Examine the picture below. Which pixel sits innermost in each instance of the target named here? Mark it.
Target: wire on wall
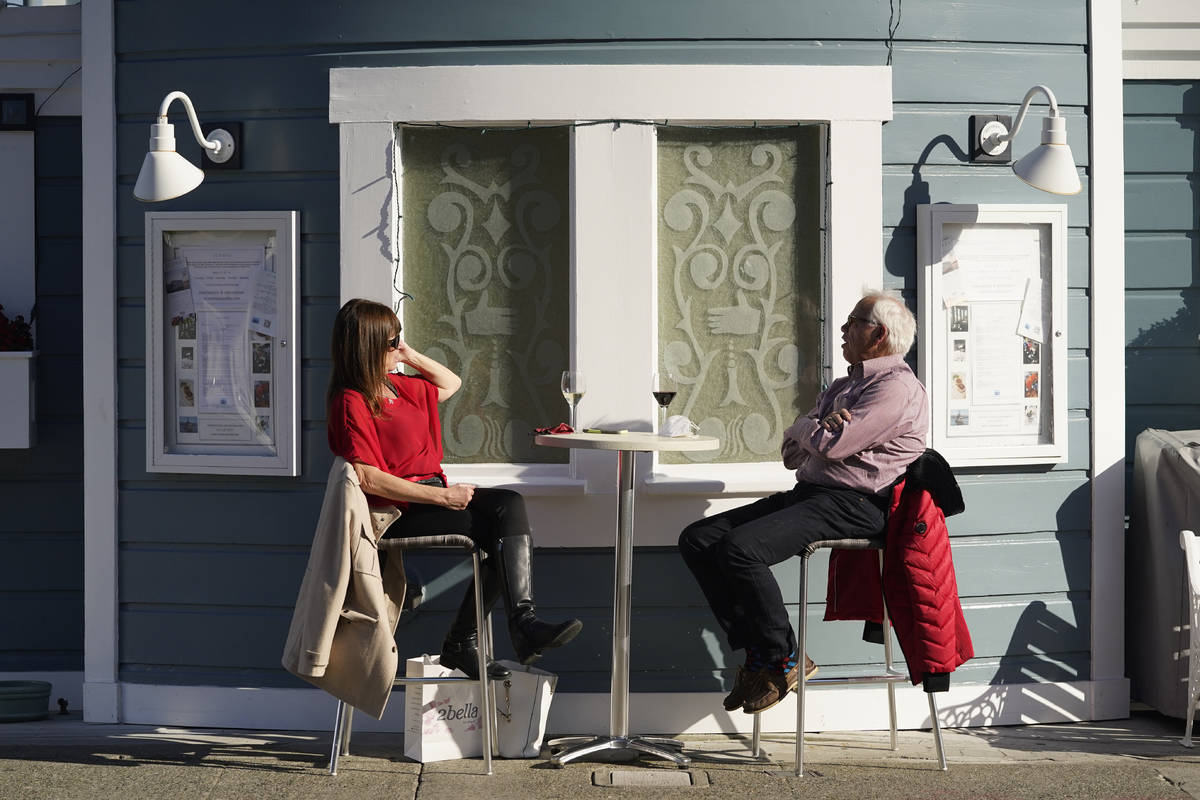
(56, 88)
(895, 9)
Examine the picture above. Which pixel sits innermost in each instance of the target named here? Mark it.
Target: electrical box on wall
(16, 112)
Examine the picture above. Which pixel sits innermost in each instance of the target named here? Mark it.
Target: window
(613, 233)
(485, 228)
(739, 282)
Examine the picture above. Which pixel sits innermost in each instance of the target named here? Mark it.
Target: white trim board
(1159, 40)
(832, 708)
(613, 196)
(101, 690)
(548, 93)
(1107, 339)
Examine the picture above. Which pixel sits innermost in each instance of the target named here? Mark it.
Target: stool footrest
(400, 681)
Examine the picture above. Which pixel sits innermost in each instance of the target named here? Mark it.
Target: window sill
(535, 480)
(710, 479)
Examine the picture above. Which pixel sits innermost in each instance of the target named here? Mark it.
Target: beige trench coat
(343, 628)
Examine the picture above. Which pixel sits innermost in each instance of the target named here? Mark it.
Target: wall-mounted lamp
(166, 174)
(1049, 167)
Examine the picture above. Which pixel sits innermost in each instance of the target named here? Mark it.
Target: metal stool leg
(937, 732)
(339, 729)
(887, 659)
(802, 683)
(756, 737)
(485, 704)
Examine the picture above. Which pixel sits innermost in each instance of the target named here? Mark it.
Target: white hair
(889, 311)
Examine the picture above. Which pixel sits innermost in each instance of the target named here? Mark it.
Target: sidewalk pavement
(63, 758)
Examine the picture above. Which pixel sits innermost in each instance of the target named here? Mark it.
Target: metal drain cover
(646, 777)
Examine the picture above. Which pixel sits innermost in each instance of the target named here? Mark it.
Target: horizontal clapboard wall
(1162, 254)
(41, 488)
(209, 567)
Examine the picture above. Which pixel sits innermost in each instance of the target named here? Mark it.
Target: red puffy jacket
(918, 576)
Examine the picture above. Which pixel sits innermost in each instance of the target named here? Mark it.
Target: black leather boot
(530, 635)
(461, 648)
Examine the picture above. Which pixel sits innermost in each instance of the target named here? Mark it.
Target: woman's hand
(457, 497)
(439, 374)
(407, 353)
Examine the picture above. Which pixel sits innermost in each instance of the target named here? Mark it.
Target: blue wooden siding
(209, 566)
(1162, 256)
(41, 489)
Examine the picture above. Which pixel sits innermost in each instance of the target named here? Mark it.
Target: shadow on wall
(1153, 357)
(1039, 653)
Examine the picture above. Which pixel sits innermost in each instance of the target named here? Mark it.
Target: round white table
(625, 445)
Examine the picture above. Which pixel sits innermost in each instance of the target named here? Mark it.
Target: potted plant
(16, 381)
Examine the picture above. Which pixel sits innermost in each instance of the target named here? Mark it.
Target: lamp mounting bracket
(983, 126)
(230, 132)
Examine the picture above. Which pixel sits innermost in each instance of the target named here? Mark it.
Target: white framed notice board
(222, 353)
(992, 309)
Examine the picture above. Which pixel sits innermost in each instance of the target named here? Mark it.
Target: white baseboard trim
(831, 708)
(102, 702)
(67, 685)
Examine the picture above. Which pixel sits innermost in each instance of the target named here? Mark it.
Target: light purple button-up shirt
(889, 422)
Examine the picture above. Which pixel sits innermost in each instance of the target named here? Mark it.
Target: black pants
(492, 514)
(731, 555)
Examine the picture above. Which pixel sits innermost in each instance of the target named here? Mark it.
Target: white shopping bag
(444, 721)
(522, 707)
(441, 720)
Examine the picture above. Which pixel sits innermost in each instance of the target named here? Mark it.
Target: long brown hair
(359, 347)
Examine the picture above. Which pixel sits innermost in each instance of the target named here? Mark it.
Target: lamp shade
(165, 174)
(1050, 166)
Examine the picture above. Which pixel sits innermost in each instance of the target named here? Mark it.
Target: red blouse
(405, 441)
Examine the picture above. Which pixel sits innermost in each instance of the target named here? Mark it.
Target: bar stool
(394, 548)
(890, 676)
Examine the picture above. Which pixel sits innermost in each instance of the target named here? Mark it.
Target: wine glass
(664, 387)
(573, 386)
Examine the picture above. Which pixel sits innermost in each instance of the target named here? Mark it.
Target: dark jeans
(731, 555)
(492, 514)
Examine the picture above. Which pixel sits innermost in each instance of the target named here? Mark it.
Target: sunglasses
(393, 342)
(850, 320)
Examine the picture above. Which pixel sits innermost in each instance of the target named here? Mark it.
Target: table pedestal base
(650, 745)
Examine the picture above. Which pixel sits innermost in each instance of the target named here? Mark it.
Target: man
(847, 451)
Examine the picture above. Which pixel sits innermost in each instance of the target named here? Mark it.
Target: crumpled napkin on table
(561, 427)
(678, 426)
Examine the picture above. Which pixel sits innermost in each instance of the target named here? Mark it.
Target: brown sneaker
(743, 683)
(770, 688)
(810, 668)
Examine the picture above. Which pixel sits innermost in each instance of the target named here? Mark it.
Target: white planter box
(16, 400)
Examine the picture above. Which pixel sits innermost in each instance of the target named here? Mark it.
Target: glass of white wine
(664, 387)
(573, 387)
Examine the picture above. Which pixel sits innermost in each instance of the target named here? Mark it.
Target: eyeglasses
(393, 342)
(851, 319)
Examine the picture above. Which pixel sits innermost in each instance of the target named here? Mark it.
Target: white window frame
(614, 209)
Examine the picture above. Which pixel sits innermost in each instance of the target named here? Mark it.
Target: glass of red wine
(664, 387)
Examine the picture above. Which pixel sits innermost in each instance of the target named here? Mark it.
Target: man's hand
(458, 496)
(835, 421)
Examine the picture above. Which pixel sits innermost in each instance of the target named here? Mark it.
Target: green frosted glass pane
(486, 251)
(739, 282)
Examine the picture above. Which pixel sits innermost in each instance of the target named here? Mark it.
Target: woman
(387, 426)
